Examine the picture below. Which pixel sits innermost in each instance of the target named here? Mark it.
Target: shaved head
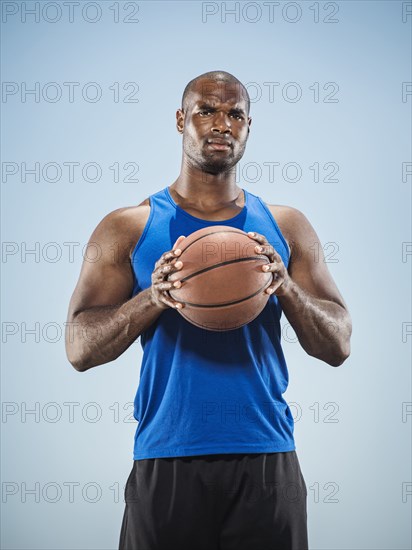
(216, 77)
(215, 106)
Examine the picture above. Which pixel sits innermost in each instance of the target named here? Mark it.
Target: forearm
(100, 334)
(322, 327)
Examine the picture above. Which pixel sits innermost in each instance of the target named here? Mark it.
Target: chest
(164, 231)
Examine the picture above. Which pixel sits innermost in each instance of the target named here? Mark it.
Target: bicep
(106, 276)
(307, 265)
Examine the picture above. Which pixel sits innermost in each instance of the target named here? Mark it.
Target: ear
(249, 122)
(180, 120)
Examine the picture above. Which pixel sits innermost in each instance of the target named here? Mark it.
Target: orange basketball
(223, 285)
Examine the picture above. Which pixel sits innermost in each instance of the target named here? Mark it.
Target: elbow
(83, 359)
(76, 360)
(335, 351)
(343, 350)
(334, 355)
(337, 361)
(77, 353)
(80, 366)
(340, 357)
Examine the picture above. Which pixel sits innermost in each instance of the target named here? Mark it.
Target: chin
(216, 167)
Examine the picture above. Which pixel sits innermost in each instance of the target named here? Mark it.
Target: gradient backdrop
(89, 95)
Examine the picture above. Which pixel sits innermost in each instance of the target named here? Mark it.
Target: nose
(222, 124)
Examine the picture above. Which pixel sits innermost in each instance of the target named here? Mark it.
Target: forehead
(218, 91)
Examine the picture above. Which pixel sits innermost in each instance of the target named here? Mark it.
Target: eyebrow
(233, 110)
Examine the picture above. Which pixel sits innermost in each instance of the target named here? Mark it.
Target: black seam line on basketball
(216, 329)
(238, 231)
(221, 264)
(264, 287)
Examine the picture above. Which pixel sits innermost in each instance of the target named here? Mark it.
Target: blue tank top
(200, 391)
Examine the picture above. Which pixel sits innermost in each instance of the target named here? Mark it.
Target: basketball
(223, 285)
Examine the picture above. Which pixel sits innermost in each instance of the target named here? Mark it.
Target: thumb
(179, 240)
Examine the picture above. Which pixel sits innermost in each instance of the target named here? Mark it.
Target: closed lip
(220, 141)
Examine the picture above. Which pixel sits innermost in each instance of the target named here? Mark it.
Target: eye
(235, 115)
(205, 112)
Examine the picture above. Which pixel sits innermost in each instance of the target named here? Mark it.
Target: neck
(204, 188)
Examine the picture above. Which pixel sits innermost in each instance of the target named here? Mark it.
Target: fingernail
(178, 306)
(178, 264)
(177, 283)
(178, 251)
(270, 291)
(251, 233)
(265, 267)
(258, 248)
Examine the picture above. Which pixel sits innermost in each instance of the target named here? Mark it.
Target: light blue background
(366, 215)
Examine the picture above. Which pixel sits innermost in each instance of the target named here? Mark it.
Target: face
(215, 126)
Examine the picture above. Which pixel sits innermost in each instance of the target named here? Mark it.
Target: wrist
(286, 288)
(153, 301)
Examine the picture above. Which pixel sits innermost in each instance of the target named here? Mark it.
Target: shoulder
(294, 225)
(291, 218)
(122, 227)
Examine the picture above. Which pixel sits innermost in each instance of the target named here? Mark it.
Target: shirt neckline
(209, 222)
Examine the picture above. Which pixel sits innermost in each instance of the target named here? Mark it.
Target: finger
(167, 256)
(170, 254)
(178, 240)
(175, 251)
(258, 237)
(170, 302)
(160, 271)
(276, 283)
(168, 268)
(276, 267)
(268, 250)
(167, 285)
(270, 267)
(175, 266)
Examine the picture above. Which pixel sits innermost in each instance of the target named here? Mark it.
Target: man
(215, 465)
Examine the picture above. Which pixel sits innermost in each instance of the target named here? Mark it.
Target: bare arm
(103, 319)
(100, 334)
(323, 327)
(308, 295)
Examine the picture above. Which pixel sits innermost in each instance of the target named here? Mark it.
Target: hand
(166, 264)
(281, 278)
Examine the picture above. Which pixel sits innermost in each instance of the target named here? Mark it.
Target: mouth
(219, 144)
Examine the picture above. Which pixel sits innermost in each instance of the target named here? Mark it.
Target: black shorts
(251, 501)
